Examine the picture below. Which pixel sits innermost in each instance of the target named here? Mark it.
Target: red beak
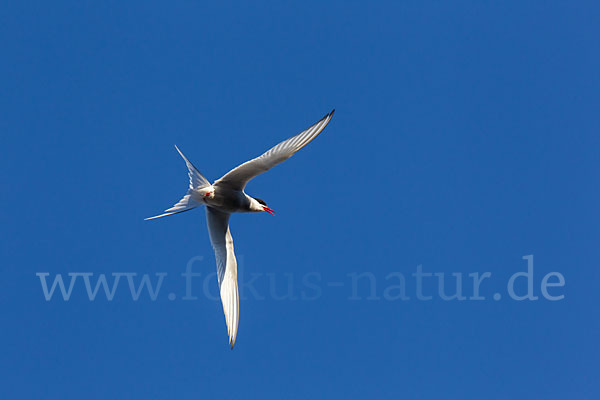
(267, 209)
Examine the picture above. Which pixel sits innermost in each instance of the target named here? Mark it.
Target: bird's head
(261, 205)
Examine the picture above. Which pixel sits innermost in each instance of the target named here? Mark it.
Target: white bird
(225, 196)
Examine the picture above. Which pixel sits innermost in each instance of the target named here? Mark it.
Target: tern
(226, 196)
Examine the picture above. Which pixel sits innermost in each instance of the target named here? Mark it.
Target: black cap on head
(261, 201)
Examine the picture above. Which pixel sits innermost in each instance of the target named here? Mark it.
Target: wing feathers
(222, 242)
(238, 177)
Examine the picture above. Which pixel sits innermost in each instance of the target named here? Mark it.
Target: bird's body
(226, 196)
(228, 200)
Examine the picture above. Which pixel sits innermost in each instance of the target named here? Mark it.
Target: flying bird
(225, 196)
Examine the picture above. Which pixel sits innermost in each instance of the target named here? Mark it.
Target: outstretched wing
(222, 242)
(238, 177)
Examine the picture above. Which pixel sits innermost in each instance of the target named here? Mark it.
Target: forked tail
(197, 183)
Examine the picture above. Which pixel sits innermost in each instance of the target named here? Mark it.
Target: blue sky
(465, 138)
